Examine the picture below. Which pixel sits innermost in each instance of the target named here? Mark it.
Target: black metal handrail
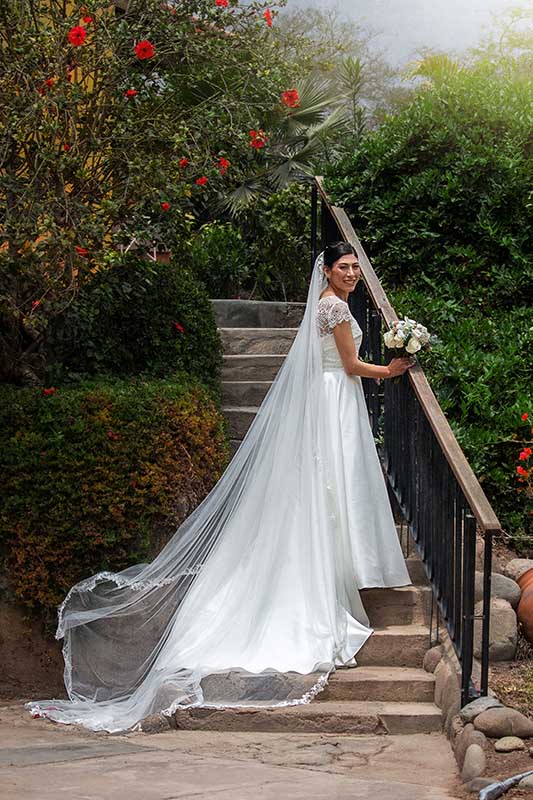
(436, 490)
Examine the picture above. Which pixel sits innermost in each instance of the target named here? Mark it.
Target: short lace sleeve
(332, 311)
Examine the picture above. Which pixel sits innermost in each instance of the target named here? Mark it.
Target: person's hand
(399, 365)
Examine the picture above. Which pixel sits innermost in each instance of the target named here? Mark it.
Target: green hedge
(136, 317)
(99, 476)
(440, 196)
(263, 255)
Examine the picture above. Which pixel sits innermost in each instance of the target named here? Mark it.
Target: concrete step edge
(246, 383)
(253, 356)
(370, 672)
(258, 330)
(240, 409)
(402, 630)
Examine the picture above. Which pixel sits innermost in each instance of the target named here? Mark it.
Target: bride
(255, 599)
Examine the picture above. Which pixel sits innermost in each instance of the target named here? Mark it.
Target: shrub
(137, 317)
(99, 476)
(279, 237)
(440, 197)
(218, 257)
(262, 255)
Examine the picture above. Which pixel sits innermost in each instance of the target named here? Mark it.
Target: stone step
(417, 573)
(239, 419)
(386, 684)
(403, 605)
(244, 393)
(356, 717)
(247, 341)
(395, 646)
(257, 314)
(259, 367)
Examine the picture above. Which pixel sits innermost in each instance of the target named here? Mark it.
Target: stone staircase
(388, 692)
(256, 337)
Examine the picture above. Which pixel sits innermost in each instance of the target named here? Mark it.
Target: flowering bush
(524, 474)
(107, 114)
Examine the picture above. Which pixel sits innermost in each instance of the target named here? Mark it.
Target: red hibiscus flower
(291, 98)
(81, 251)
(178, 327)
(522, 471)
(268, 16)
(525, 416)
(524, 455)
(165, 206)
(77, 35)
(48, 392)
(130, 93)
(201, 181)
(144, 49)
(258, 138)
(183, 162)
(223, 164)
(221, 3)
(87, 20)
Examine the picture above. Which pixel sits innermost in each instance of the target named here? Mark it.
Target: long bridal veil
(250, 603)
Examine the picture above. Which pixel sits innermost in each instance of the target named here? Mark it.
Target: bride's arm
(354, 366)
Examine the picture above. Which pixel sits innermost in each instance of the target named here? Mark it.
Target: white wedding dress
(254, 601)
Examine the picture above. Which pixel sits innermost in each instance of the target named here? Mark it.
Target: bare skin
(342, 279)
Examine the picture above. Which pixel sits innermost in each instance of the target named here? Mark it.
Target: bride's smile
(343, 275)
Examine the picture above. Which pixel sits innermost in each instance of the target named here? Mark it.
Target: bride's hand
(399, 365)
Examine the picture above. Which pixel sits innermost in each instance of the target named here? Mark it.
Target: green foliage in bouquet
(440, 196)
(99, 476)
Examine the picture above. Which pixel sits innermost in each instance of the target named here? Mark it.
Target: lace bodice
(332, 311)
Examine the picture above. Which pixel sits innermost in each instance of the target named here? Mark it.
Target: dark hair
(336, 250)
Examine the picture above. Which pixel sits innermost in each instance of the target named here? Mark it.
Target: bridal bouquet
(407, 336)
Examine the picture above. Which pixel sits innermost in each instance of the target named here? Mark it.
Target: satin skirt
(357, 491)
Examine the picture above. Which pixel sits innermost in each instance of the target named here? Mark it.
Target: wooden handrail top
(474, 494)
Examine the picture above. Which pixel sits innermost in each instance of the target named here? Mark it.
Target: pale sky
(406, 25)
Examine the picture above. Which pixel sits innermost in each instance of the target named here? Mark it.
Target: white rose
(413, 345)
(388, 338)
(398, 340)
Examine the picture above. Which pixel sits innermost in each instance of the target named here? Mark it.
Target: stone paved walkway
(47, 761)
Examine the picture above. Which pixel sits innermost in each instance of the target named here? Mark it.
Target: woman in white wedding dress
(255, 599)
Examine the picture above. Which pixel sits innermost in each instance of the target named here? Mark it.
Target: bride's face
(344, 273)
